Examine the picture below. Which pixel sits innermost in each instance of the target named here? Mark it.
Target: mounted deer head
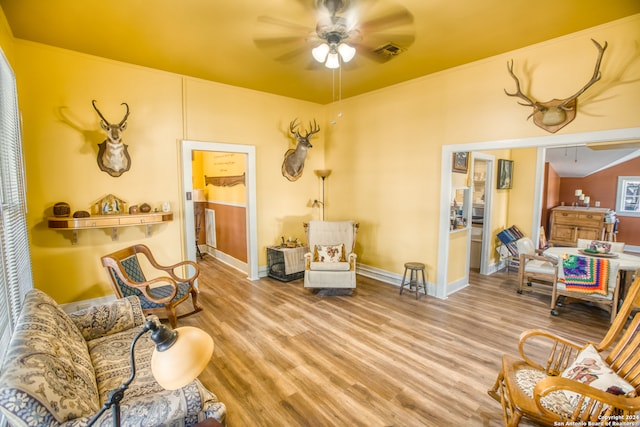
(113, 157)
(293, 163)
(555, 114)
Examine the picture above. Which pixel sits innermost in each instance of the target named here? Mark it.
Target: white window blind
(15, 267)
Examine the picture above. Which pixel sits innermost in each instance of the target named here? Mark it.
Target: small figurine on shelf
(109, 205)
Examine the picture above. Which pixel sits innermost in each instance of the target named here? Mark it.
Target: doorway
(617, 135)
(188, 148)
(481, 203)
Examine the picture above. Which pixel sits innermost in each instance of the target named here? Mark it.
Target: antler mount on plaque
(113, 156)
(293, 163)
(555, 114)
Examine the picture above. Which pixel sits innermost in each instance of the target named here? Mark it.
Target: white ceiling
(581, 161)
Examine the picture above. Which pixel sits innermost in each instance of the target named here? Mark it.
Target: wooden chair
(535, 267)
(533, 386)
(158, 296)
(609, 301)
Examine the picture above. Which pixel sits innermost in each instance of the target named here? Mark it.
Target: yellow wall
(384, 152)
(219, 164)
(520, 211)
(61, 133)
(6, 38)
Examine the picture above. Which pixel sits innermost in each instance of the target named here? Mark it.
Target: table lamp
(179, 357)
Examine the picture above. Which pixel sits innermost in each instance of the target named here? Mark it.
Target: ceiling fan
(333, 31)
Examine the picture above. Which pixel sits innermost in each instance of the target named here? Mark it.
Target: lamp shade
(320, 52)
(346, 52)
(181, 363)
(323, 173)
(332, 60)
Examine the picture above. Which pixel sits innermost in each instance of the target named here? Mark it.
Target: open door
(188, 147)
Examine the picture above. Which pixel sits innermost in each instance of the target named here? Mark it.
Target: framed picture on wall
(460, 162)
(505, 174)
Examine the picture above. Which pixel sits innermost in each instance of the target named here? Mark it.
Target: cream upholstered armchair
(330, 262)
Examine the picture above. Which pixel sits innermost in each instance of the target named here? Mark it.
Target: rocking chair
(558, 390)
(158, 296)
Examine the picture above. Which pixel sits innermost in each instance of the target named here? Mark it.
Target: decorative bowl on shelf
(61, 209)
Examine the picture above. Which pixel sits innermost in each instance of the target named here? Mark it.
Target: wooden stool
(414, 268)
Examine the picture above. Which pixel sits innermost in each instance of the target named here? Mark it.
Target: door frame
(541, 142)
(187, 149)
(488, 208)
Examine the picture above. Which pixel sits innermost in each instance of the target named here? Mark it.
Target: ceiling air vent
(388, 51)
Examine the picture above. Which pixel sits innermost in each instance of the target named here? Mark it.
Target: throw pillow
(590, 369)
(329, 253)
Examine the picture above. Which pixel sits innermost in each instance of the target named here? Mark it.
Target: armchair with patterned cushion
(330, 262)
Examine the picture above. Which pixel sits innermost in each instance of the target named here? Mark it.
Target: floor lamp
(322, 173)
(180, 355)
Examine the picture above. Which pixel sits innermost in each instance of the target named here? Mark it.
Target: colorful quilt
(586, 274)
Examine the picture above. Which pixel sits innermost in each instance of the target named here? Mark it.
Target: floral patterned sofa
(60, 368)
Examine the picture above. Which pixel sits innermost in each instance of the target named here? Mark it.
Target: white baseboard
(227, 259)
(389, 277)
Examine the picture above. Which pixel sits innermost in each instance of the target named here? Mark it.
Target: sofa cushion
(330, 266)
(101, 320)
(47, 377)
(145, 401)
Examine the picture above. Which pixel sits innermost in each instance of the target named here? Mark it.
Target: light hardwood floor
(287, 357)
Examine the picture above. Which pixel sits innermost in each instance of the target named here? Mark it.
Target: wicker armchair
(159, 295)
(540, 386)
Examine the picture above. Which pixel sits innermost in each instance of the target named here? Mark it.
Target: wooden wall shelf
(114, 222)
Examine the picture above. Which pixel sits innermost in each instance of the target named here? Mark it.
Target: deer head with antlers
(557, 113)
(293, 163)
(113, 157)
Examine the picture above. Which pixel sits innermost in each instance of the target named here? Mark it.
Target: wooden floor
(287, 357)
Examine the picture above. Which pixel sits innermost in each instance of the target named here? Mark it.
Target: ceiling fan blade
(400, 17)
(375, 40)
(270, 42)
(265, 19)
(288, 56)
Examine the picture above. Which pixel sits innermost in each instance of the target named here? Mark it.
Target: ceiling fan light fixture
(333, 61)
(346, 52)
(320, 52)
